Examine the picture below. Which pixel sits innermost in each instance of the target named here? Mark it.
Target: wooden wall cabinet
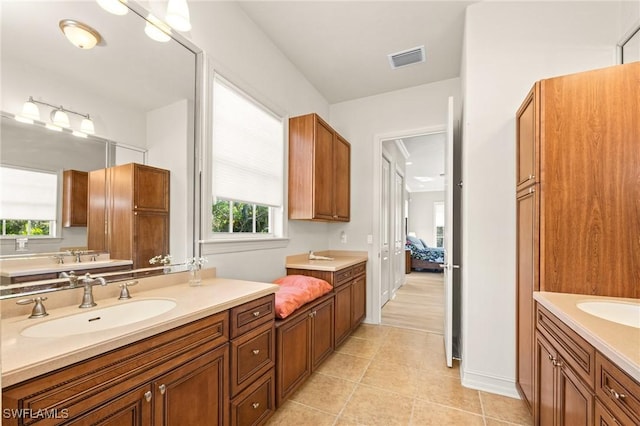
(319, 171)
(129, 212)
(75, 185)
(577, 192)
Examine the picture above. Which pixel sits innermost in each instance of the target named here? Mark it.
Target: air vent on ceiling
(407, 57)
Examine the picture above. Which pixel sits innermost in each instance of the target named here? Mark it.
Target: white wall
(243, 54)
(508, 46)
(421, 214)
(361, 121)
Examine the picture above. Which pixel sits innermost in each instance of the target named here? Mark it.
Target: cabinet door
(323, 172)
(131, 409)
(343, 313)
(150, 237)
(545, 392)
(527, 136)
(150, 189)
(358, 300)
(75, 191)
(293, 360)
(195, 393)
(603, 417)
(575, 400)
(526, 283)
(342, 179)
(97, 230)
(322, 339)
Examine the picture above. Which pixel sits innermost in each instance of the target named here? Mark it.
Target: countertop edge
(47, 365)
(591, 336)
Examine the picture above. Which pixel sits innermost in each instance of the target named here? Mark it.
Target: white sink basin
(625, 313)
(100, 319)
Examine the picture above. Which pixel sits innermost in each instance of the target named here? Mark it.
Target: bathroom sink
(625, 313)
(100, 319)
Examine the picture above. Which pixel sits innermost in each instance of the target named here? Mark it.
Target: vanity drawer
(252, 355)
(252, 314)
(343, 276)
(616, 390)
(256, 404)
(576, 351)
(359, 269)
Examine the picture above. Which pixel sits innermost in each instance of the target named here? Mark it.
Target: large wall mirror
(141, 95)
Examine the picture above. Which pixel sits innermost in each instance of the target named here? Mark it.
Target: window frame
(437, 205)
(217, 243)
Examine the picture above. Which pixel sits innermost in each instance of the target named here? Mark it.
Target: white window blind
(27, 194)
(247, 149)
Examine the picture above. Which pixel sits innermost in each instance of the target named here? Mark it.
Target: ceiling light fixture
(58, 115)
(79, 34)
(178, 15)
(156, 29)
(117, 7)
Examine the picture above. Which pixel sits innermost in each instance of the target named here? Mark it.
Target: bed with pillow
(423, 256)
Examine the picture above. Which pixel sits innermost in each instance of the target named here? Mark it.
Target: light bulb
(178, 15)
(60, 118)
(117, 7)
(156, 29)
(87, 126)
(31, 110)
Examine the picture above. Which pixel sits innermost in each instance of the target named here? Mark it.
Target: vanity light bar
(59, 117)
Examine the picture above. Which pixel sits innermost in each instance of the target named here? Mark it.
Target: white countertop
(26, 357)
(341, 260)
(18, 269)
(620, 343)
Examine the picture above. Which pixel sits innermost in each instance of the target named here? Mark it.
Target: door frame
(378, 139)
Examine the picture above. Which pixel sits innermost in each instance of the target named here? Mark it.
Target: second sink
(620, 312)
(100, 319)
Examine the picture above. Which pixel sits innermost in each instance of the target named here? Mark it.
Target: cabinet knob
(255, 405)
(531, 177)
(616, 395)
(256, 313)
(163, 389)
(148, 395)
(256, 351)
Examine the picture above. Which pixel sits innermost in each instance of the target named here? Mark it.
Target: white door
(398, 234)
(448, 239)
(385, 230)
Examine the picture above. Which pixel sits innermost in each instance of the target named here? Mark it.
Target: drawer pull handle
(616, 395)
(163, 389)
(531, 177)
(255, 405)
(256, 351)
(556, 363)
(256, 313)
(148, 395)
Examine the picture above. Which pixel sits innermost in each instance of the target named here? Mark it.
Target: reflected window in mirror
(28, 205)
(247, 185)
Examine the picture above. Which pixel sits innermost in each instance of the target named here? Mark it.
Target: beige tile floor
(385, 375)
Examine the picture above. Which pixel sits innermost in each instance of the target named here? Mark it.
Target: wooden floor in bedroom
(418, 304)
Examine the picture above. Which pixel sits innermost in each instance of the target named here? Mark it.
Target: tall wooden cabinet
(577, 193)
(319, 171)
(74, 198)
(129, 212)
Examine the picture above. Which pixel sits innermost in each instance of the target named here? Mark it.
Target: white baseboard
(492, 384)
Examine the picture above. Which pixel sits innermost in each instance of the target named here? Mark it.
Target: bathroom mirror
(140, 93)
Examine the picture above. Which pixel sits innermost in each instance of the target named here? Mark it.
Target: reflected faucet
(88, 281)
(78, 254)
(73, 278)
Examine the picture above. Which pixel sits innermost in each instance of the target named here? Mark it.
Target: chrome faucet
(58, 258)
(38, 310)
(88, 281)
(78, 254)
(73, 278)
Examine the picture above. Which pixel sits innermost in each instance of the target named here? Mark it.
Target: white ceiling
(342, 46)
(425, 164)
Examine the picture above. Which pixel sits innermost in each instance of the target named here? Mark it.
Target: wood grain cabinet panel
(255, 404)
(75, 192)
(319, 171)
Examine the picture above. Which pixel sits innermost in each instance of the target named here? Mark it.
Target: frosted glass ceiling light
(178, 15)
(156, 29)
(60, 118)
(31, 110)
(86, 126)
(79, 34)
(117, 7)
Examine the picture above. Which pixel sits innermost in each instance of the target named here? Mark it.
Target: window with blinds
(28, 202)
(247, 165)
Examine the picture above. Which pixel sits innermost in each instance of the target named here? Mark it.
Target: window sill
(240, 245)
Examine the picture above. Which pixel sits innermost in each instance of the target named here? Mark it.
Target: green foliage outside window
(26, 227)
(240, 215)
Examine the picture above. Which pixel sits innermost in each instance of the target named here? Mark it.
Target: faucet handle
(59, 258)
(124, 292)
(39, 311)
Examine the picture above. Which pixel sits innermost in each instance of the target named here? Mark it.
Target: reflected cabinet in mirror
(140, 97)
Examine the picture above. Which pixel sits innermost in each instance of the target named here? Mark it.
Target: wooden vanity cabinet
(129, 212)
(75, 186)
(179, 374)
(618, 392)
(319, 171)
(304, 340)
(576, 193)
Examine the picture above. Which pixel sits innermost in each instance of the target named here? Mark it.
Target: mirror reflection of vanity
(140, 94)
